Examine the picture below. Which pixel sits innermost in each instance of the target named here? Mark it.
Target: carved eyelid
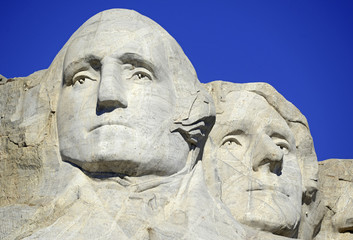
(232, 136)
(142, 71)
(83, 74)
(280, 141)
(81, 65)
(137, 61)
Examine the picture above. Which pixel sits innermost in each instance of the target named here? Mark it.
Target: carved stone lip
(108, 124)
(268, 188)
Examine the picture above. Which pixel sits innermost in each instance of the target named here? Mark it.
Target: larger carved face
(256, 162)
(118, 101)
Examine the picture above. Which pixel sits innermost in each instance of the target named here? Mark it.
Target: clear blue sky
(304, 48)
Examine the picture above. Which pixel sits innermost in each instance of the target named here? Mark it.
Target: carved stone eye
(283, 145)
(231, 141)
(82, 76)
(281, 142)
(142, 75)
(81, 80)
(284, 148)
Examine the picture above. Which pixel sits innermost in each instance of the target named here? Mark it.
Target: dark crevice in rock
(342, 179)
(328, 207)
(346, 230)
(21, 144)
(299, 122)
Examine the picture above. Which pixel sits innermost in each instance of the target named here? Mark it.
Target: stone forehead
(241, 103)
(117, 28)
(244, 98)
(250, 111)
(220, 89)
(119, 20)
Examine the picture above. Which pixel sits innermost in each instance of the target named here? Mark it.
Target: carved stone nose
(268, 155)
(111, 93)
(274, 167)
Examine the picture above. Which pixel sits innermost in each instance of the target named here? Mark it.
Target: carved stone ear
(196, 120)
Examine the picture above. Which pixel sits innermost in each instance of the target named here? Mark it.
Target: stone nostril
(262, 164)
(346, 230)
(109, 106)
(274, 167)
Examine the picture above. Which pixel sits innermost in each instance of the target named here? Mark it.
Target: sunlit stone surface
(336, 185)
(115, 141)
(260, 160)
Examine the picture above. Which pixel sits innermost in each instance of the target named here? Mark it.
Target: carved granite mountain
(118, 139)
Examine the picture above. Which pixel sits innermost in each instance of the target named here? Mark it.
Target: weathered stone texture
(21, 127)
(114, 141)
(336, 186)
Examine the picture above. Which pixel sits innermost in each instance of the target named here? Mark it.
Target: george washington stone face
(118, 100)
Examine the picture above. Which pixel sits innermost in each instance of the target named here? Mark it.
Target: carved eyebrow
(232, 135)
(278, 135)
(283, 137)
(235, 132)
(81, 64)
(137, 60)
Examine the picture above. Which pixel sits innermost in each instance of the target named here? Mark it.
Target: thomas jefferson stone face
(256, 162)
(118, 101)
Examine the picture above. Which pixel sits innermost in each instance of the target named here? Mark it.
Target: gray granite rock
(336, 186)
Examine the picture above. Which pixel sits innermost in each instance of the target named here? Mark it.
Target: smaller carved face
(256, 162)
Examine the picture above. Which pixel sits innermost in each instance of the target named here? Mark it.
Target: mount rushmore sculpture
(118, 139)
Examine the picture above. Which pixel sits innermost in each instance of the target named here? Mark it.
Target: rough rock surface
(3, 79)
(336, 186)
(24, 122)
